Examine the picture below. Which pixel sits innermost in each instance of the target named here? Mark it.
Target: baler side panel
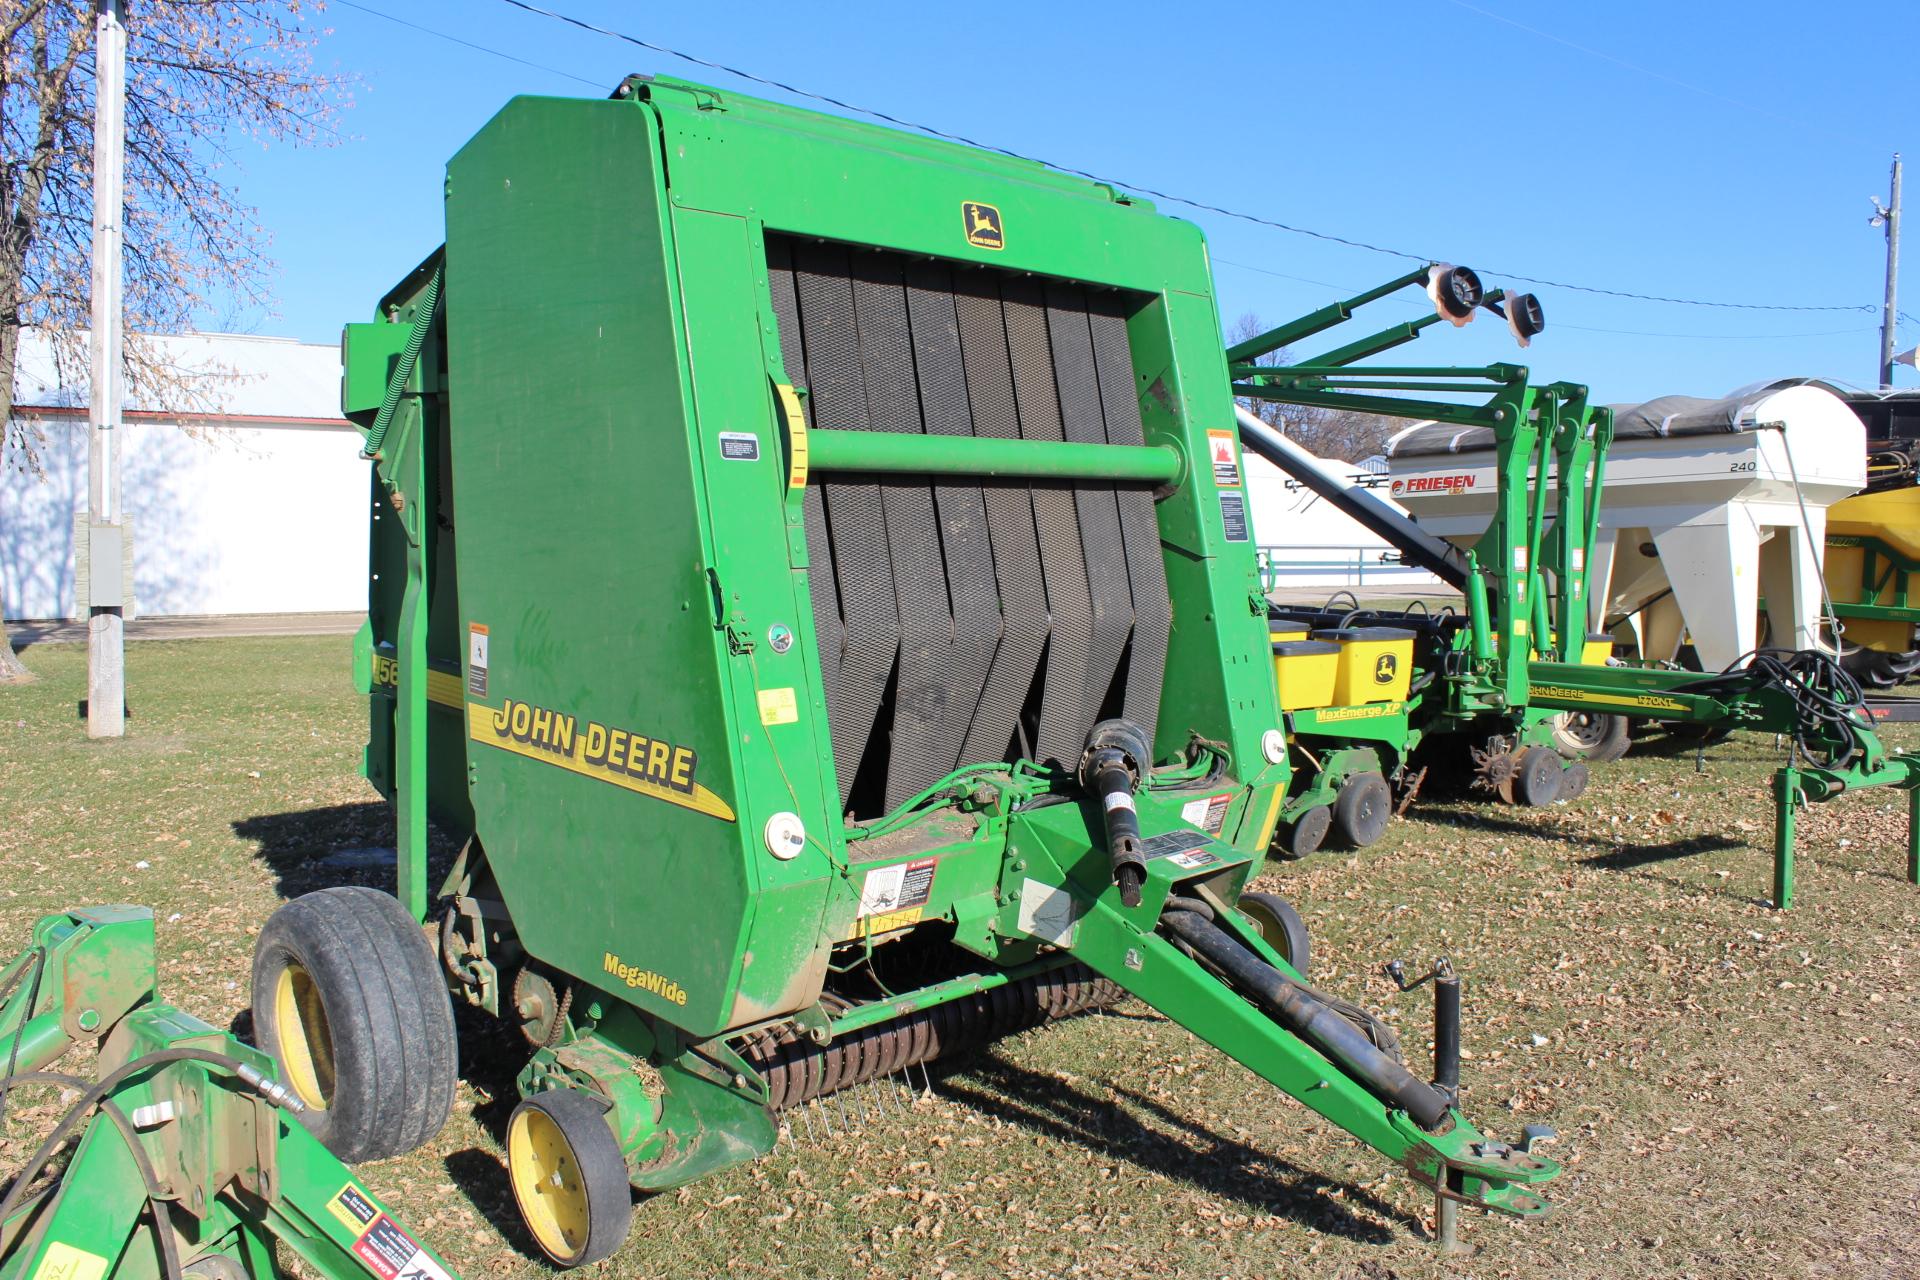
(1219, 674)
(419, 438)
(722, 285)
(583, 557)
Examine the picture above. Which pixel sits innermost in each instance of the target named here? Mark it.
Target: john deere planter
(812, 575)
(1500, 679)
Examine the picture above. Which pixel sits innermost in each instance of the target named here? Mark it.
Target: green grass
(1733, 1085)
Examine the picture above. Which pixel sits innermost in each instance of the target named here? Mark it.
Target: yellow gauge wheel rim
(306, 1042)
(547, 1183)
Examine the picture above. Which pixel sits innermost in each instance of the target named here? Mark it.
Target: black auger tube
(1296, 1009)
(1428, 551)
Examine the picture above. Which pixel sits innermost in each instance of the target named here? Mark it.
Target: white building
(253, 501)
(1306, 541)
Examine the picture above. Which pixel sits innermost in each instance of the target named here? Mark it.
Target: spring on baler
(797, 1070)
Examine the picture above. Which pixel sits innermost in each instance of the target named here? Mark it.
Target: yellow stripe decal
(1272, 820)
(628, 760)
(1644, 701)
(443, 687)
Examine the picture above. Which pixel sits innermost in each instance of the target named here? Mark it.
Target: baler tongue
(1185, 951)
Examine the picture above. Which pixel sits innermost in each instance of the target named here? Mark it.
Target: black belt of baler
(960, 621)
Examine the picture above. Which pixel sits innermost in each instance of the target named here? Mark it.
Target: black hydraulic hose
(1434, 554)
(156, 1190)
(1313, 1020)
(272, 1090)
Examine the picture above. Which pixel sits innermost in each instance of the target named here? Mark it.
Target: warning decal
(354, 1208)
(477, 660)
(739, 446)
(391, 1254)
(380, 1243)
(1226, 463)
(1208, 812)
(1233, 513)
(896, 888)
(779, 706)
(1165, 846)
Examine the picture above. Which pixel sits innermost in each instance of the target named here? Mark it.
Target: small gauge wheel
(1279, 926)
(1361, 810)
(1305, 834)
(568, 1176)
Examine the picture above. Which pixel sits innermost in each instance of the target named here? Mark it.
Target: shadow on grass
(1625, 857)
(1199, 1157)
(339, 844)
(1633, 857)
(482, 1179)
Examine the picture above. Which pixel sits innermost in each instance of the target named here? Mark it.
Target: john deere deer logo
(983, 226)
(1383, 668)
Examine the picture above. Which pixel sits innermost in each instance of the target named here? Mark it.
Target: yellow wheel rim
(547, 1183)
(306, 1043)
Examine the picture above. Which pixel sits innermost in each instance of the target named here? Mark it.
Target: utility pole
(1888, 216)
(106, 638)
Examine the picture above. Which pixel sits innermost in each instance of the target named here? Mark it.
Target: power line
(1166, 196)
(1721, 337)
(477, 48)
(1349, 290)
(1657, 75)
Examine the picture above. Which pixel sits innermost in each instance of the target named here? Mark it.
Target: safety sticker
(739, 446)
(353, 1207)
(1208, 813)
(1048, 912)
(897, 888)
(380, 1243)
(1172, 842)
(477, 660)
(1226, 463)
(1193, 860)
(391, 1254)
(779, 706)
(64, 1262)
(1233, 513)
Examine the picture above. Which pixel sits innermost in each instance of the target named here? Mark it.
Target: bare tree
(1331, 433)
(204, 77)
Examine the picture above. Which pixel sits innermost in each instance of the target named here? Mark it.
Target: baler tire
(1279, 926)
(569, 1178)
(349, 1001)
(1362, 809)
(1304, 834)
(1536, 783)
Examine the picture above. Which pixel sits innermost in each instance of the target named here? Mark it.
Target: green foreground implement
(189, 1160)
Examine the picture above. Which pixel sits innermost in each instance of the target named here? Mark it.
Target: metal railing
(1355, 565)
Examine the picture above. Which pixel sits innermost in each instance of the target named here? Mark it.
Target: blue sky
(1717, 151)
